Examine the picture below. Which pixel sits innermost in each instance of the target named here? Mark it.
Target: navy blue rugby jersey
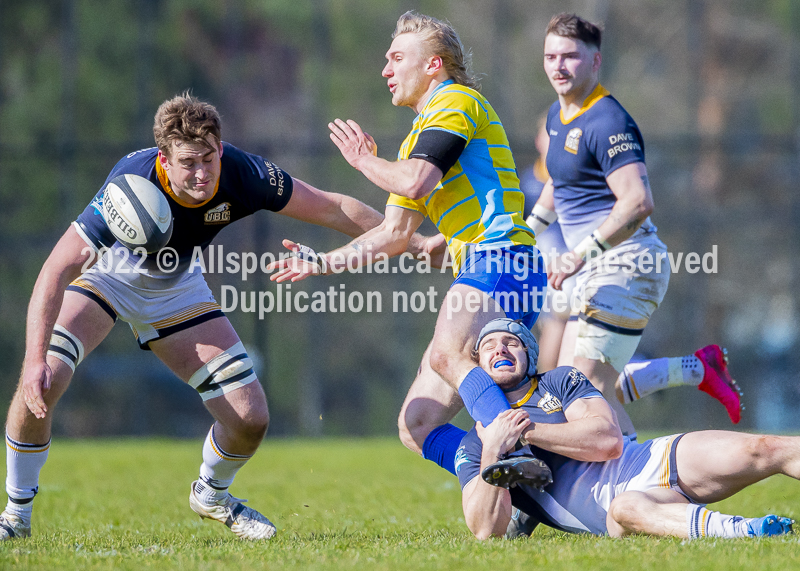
(247, 183)
(583, 151)
(550, 395)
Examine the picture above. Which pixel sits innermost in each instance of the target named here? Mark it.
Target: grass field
(338, 504)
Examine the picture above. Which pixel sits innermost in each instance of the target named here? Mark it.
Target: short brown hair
(576, 28)
(185, 118)
(441, 40)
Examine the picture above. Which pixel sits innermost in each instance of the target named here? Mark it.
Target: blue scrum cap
(518, 330)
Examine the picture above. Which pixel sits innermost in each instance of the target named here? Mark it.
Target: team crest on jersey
(549, 403)
(461, 457)
(220, 214)
(573, 140)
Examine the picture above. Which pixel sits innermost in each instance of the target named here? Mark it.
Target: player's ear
(435, 65)
(597, 61)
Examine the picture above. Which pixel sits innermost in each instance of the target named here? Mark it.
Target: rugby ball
(137, 213)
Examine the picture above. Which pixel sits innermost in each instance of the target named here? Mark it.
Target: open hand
(352, 141)
(292, 268)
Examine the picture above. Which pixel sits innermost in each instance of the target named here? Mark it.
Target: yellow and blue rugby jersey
(478, 201)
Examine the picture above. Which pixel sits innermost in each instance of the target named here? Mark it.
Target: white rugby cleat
(245, 522)
(11, 527)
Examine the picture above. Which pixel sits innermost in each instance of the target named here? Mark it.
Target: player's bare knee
(441, 361)
(626, 510)
(412, 434)
(255, 427)
(764, 450)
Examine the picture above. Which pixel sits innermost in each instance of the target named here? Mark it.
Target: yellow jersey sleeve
(403, 202)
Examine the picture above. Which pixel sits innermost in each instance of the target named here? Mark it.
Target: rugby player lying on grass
(658, 487)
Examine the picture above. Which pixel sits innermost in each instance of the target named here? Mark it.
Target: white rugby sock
(703, 522)
(218, 470)
(23, 464)
(646, 377)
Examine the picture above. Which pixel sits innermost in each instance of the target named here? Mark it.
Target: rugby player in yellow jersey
(456, 168)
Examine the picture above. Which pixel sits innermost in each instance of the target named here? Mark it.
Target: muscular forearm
(367, 248)
(624, 220)
(590, 439)
(487, 509)
(48, 294)
(634, 203)
(410, 178)
(350, 216)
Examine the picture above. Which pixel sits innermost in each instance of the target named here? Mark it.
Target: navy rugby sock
(441, 446)
(483, 399)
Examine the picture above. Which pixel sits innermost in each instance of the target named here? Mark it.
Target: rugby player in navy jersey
(456, 168)
(603, 483)
(600, 194)
(209, 184)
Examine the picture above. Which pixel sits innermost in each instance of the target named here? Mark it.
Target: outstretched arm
(388, 239)
(591, 433)
(349, 216)
(330, 209)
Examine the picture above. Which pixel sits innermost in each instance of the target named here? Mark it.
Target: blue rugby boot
(769, 525)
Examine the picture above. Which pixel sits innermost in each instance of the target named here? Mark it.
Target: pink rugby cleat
(717, 380)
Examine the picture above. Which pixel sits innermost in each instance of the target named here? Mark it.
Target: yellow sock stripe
(704, 522)
(26, 449)
(224, 455)
(633, 386)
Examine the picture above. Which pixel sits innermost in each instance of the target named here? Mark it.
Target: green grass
(338, 504)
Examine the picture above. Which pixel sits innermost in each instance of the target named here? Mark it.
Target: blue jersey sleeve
(90, 224)
(468, 458)
(568, 384)
(266, 186)
(615, 139)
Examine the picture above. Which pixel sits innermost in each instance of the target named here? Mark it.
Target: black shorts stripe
(167, 331)
(96, 298)
(71, 342)
(609, 327)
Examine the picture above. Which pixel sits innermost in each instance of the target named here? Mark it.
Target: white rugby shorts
(581, 492)
(614, 297)
(154, 306)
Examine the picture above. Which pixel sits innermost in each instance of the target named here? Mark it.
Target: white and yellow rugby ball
(137, 213)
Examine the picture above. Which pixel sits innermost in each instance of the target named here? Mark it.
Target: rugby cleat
(518, 470)
(245, 522)
(521, 525)
(769, 525)
(12, 527)
(717, 380)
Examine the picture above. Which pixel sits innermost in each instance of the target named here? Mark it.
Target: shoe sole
(532, 471)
